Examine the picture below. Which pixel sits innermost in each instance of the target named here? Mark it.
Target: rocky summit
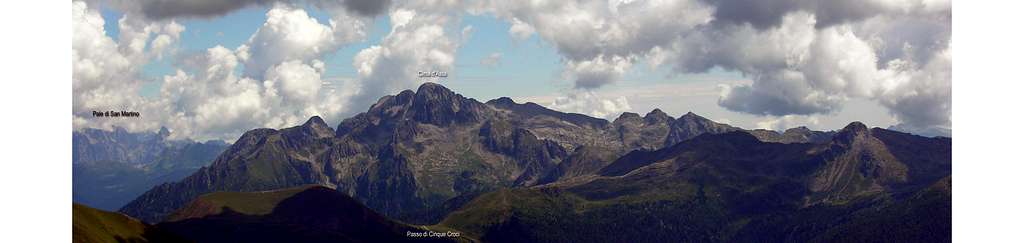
(432, 156)
(410, 152)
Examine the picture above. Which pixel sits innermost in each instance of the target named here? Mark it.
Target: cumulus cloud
(804, 57)
(870, 59)
(491, 60)
(520, 30)
(94, 57)
(166, 9)
(833, 51)
(291, 34)
(764, 14)
(796, 69)
(207, 97)
(777, 95)
(593, 35)
(214, 101)
(590, 103)
(217, 103)
(761, 14)
(920, 97)
(105, 72)
(781, 123)
(297, 81)
(367, 7)
(281, 84)
(597, 72)
(417, 42)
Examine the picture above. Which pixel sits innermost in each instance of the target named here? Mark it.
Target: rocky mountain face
(411, 153)
(110, 168)
(89, 145)
(691, 125)
(861, 185)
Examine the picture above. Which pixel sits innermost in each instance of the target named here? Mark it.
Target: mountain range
(865, 185)
(501, 171)
(110, 168)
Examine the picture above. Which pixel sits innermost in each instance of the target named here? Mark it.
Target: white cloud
(282, 81)
(781, 123)
(417, 42)
(297, 81)
(94, 57)
(401, 17)
(520, 30)
(803, 58)
(590, 103)
(291, 34)
(105, 72)
(167, 9)
(594, 35)
(597, 72)
(838, 63)
(920, 97)
(491, 60)
(367, 7)
(207, 97)
(137, 33)
(215, 102)
(466, 33)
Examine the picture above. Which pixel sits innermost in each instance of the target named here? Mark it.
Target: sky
(215, 69)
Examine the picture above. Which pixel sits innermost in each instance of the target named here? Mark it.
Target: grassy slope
(565, 216)
(93, 225)
(250, 203)
(682, 212)
(276, 215)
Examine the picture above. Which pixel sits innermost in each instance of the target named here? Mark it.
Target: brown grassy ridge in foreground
(308, 213)
(90, 225)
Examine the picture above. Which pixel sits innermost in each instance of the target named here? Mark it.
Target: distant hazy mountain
(110, 168)
(793, 135)
(504, 171)
(927, 132)
(90, 145)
